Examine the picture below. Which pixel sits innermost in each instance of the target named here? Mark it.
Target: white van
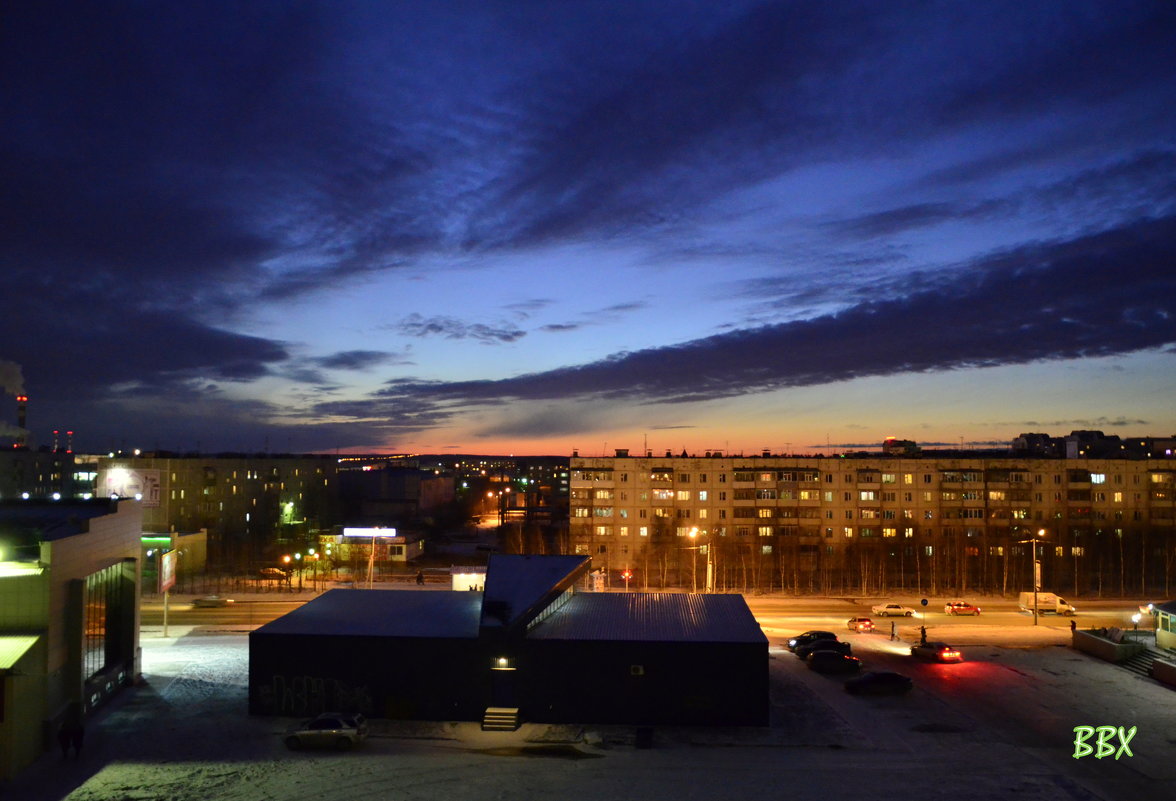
(1046, 602)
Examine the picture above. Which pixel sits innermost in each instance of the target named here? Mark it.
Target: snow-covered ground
(1002, 728)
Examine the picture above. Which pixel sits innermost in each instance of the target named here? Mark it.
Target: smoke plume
(11, 380)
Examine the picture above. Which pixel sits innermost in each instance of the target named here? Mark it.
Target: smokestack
(22, 403)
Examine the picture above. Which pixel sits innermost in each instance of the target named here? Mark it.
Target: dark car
(335, 730)
(809, 636)
(960, 608)
(936, 652)
(833, 662)
(880, 682)
(860, 624)
(803, 651)
(211, 602)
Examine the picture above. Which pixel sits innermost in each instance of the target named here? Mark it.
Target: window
(682, 514)
(603, 511)
(580, 511)
(847, 531)
(624, 531)
(889, 478)
(663, 495)
(889, 532)
(105, 604)
(603, 531)
(702, 514)
(683, 478)
(766, 549)
(702, 494)
(604, 495)
(643, 531)
(764, 531)
(867, 495)
(683, 495)
(766, 512)
(1098, 478)
(765, 494)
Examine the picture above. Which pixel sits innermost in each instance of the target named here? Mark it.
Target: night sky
(532, 226)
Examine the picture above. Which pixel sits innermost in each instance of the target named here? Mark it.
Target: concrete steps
(1142, 662)
(500, 718)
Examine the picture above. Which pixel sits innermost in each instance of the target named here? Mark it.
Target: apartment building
(877, 523)
(245, 503)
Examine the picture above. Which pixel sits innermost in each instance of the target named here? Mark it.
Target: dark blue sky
(533, 226)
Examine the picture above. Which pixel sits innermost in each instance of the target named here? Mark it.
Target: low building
(69, 616)
(531, 643)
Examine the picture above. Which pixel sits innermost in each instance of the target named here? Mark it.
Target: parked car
(335, 730)
(210, 601)
(860, 624)
(892, 610)
(936, 652)
(802, 651)
(809, 636)
(879, 682)
(960, 608)
(833, 662)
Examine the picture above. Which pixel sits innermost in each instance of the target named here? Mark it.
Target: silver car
(336, 730)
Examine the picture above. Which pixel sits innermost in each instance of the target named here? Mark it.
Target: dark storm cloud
(1100, 295)
(356, 359)
(449, 328)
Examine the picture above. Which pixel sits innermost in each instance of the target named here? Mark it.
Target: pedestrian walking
(922, 635)
(420, 578)
(1073, 625)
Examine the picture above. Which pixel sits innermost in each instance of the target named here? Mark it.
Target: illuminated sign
(369, 532)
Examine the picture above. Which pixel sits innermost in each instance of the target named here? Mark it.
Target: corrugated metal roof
(652, 617)
(13, 647)
(384, 613)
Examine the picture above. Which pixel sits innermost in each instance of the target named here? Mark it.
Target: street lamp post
(298, 560)
(694, 561)
(1033, 569)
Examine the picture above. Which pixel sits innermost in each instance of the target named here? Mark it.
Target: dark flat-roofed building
(532, 643)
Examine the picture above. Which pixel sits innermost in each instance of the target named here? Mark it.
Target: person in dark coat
(72, 732)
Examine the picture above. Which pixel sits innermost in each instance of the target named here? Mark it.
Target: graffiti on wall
(311, 695)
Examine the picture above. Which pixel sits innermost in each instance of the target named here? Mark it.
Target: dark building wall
(382, 677)
(677, 683)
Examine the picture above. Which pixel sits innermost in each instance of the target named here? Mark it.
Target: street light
(1033, 568)
(694, 561)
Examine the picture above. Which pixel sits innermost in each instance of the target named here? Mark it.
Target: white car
(888, 610)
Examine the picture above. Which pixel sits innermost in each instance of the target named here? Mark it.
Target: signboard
(369, 532)
(1036, 574)
(167, 570)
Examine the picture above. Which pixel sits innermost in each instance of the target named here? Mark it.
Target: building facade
(877, 524)
(69, 616)
(248, 505)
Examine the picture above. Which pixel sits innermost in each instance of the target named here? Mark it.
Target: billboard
(126, 483)
(167, 570)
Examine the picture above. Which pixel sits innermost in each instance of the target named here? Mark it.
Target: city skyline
(532, 229)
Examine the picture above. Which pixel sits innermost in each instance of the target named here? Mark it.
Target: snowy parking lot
(999, 725)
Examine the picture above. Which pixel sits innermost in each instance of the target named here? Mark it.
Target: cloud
(1098, 295)
(449, 328)
(356, 359)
